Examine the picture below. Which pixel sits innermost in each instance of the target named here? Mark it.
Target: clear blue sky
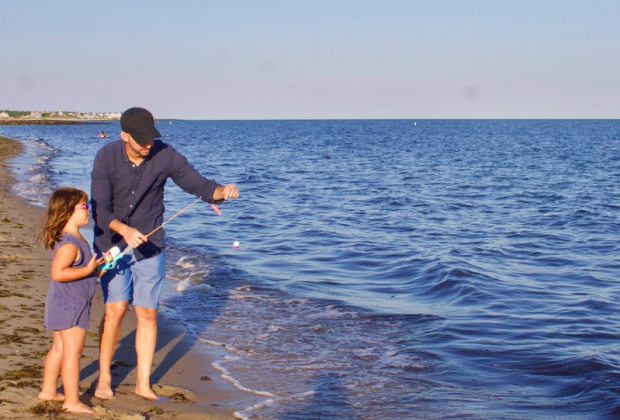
(282, 59)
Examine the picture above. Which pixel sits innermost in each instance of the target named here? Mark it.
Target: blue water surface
(444, 270)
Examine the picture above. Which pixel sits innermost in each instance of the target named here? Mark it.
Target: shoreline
(182, 367)
(52, 122)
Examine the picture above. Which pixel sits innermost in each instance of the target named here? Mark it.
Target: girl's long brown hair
(59, 210)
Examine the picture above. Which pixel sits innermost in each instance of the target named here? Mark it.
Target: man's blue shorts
(139, 282)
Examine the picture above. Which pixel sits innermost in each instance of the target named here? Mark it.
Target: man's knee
(146, 314)
(115, 312)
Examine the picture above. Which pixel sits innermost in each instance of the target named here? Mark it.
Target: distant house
(4, 115)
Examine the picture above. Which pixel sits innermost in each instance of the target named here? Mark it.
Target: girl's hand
(95, 262)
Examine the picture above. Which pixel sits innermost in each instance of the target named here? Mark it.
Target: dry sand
(181, 369)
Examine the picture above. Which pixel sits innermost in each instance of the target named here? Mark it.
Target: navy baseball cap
(140, 124)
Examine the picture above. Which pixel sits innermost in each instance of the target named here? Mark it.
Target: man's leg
(146, 338)
(116, 285)
(109, 335)
(148, 277)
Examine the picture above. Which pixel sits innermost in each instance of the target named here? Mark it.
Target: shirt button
(133, 192)
(131, 205)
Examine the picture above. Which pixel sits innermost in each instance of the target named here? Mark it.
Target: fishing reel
(111, 257)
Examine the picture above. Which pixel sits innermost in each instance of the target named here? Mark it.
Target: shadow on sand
(173, 337)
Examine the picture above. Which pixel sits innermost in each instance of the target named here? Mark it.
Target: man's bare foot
(78, 407)
(148, 394)
(104, 391)
(57, 396)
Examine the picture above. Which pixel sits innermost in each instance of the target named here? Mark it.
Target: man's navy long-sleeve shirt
(134, 194)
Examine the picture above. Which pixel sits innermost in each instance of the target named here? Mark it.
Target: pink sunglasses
(84, 206)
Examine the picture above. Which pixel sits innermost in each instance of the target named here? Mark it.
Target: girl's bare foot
(78, 407)
(56, 396)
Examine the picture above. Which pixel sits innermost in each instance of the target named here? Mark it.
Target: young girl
(69, 297)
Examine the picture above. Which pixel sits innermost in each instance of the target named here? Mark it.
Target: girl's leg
(73, 344)
(51, 371)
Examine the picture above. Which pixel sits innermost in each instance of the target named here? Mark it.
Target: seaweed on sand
(49, 409)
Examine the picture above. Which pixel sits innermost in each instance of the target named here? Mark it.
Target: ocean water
(445, 270)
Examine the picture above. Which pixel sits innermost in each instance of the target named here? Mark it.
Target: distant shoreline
(45, 121)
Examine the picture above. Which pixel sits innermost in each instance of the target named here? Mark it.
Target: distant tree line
(15, 114)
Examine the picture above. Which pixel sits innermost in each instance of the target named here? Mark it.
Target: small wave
(43, 145)
(187, 286)
(331, 312)
(185, 262)
(39, 179)
(227, 376)
(247, 412)
(212, 343)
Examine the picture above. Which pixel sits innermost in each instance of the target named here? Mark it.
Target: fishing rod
(115, 254)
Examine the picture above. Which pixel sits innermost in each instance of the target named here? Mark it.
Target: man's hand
(224, 193)
(133, 237)
(231, 191)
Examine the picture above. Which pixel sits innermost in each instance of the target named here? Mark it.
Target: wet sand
(182, 367)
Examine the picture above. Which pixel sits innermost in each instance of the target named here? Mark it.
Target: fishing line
(162, 225)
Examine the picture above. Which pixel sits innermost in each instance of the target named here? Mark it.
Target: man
(127, 195)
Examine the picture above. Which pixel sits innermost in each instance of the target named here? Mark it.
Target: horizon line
(383, 119)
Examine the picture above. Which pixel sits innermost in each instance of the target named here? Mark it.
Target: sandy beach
(182, 367)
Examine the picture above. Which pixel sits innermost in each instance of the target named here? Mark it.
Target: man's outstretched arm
(190, 180)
